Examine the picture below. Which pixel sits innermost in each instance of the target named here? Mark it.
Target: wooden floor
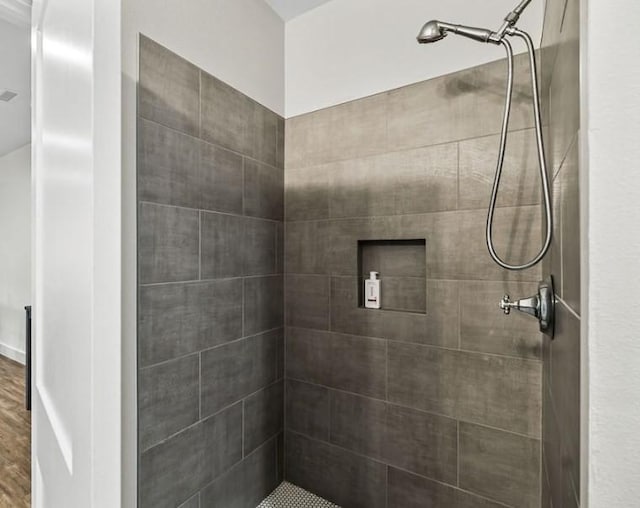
(15, 438)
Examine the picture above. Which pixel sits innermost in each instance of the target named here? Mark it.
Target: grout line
(365, 157)
(188, 427)
(212, 348)
(200, 103)
(239, 462)
(386, 486)
(386, 373)
(412, 408)
(568, 307)
(451, 211)
(212, 212)
(218, 413)
(329, 400)
(458, 453)
(565, 155)
(421, 344)
(243, 426)
(330, 306)
(216, 145)
(221, 279)
(458, 176)
(459, 316)
(242, 317)
(244, 187)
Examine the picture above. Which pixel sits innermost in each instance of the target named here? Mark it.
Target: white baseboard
(12, 353)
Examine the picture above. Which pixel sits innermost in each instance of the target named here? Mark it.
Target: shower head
(434, 30)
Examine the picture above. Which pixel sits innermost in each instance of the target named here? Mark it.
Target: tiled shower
(259, 366)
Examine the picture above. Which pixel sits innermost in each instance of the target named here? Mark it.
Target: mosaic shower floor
(288, 495)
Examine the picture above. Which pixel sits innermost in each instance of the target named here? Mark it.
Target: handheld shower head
(434, 30)
(431, 32)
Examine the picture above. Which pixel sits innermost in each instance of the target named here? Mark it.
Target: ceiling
(15, 75)
(289, 9)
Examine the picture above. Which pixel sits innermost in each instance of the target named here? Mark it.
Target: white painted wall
(15, 75)
(611, 103)
(347, 49)
(242, 43)
(15, 250)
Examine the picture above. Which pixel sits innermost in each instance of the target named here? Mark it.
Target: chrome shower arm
(521, 7)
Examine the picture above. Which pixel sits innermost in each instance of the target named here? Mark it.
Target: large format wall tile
(174, 470)
(407, 490)
(226, 115)
(351, 130)
(561, 411)
(307, 247)
(168, 166)
(484, 327)
(307, 301)
(259, 247)
(355, 364)
(263, 304)
(340, 476)
(459, 106)
(235, 370)
(565, 388)
(263, 416)
(414, 181)
(499, 391)
(500, 465)
(220, 181)
(178, 319)
(247, 484)
(193, 502)
(412, 440)
(307, 192)
(564, 96)
(520, 183)
(210, 293)
(168, 244)
(571, 248)
(263, 190)
(222, 234)
(307, 409)
(169, 88)
(233, 120)
(457, 248)
(169, 395)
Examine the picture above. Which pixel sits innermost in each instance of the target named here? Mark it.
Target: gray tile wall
(210, 307)
(561, 380)
(401, 409)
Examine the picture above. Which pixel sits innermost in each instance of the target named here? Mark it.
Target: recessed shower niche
(401, 265)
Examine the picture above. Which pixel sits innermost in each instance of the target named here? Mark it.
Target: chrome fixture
(434, 31)
(541, 306)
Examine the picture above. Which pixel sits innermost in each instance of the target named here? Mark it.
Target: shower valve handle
(541, 306)
(529, 305)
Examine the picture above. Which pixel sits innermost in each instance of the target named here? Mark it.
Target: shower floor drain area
(288, 495)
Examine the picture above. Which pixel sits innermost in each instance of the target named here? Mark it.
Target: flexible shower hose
(503, 145)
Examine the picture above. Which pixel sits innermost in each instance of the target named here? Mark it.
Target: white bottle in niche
(372, 291)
